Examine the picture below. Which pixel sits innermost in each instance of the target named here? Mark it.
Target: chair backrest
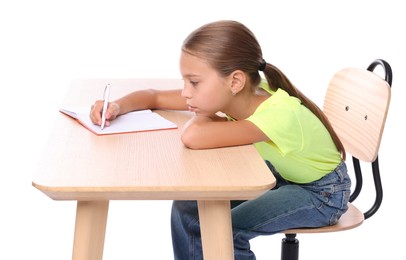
(356, 105)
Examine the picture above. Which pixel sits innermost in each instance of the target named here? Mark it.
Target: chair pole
(290, 247)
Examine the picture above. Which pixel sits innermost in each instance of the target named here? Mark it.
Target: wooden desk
(78, 165)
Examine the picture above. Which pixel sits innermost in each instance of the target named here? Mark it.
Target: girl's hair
(229, 45)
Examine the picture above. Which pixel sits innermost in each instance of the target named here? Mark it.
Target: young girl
(220, 64)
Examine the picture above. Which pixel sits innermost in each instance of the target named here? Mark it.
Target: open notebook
(137, 121)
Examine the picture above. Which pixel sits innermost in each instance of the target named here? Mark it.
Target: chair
(356, 103)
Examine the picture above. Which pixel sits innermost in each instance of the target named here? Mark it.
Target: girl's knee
(185, 207)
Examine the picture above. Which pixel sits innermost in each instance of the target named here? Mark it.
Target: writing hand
(113, 110)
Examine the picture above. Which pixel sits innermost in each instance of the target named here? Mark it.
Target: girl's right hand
(113, 110)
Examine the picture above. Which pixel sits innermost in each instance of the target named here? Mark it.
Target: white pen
(105, 104)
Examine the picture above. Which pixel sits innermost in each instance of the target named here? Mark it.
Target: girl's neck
(246, 103)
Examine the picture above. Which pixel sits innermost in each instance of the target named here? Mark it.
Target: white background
(46, 44)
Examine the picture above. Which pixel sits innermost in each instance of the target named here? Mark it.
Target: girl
(220, 64)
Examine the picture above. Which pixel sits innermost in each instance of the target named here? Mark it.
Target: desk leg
(216, 231)
(90, 229)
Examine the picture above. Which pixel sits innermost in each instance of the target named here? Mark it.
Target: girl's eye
(193, 83)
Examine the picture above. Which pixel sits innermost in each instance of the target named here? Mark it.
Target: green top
(300, 147)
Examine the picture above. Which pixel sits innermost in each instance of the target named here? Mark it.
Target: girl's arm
(138, 100)
(203, 132)
(152, 99)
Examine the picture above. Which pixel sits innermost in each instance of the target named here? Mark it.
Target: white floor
(46, 44)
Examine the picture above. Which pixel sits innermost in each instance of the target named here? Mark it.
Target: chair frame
(290, 244)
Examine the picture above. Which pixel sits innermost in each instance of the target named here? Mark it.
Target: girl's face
(206, 92)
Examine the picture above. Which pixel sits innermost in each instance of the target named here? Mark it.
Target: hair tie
(262, 65)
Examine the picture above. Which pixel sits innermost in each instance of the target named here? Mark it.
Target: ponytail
(276, 79)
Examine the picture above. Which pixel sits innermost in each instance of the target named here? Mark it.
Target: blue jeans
(287, 205)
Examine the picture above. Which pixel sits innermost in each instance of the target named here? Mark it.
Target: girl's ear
(238, 79)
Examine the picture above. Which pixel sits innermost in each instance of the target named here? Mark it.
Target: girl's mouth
(192, 109)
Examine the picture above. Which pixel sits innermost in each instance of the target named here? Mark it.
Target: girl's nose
(186, 92)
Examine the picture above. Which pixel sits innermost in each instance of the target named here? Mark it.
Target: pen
(106, 95)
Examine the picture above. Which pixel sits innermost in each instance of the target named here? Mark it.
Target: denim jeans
(287, 205)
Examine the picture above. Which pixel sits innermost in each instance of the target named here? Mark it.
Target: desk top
(78, 165)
